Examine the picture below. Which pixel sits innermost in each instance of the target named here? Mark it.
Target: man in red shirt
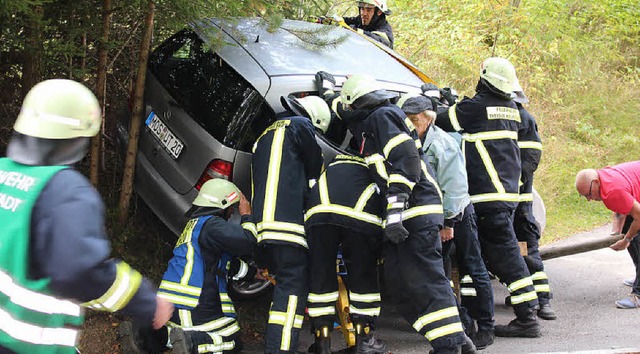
(618, 187)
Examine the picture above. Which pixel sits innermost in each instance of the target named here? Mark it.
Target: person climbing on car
(286, 162)
(489, 123)
(205, 256)
(442, 153)
(54, 253)
(371, 21)
(343, 212)
(413, 217)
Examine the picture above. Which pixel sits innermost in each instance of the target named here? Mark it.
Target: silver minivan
(205, 109)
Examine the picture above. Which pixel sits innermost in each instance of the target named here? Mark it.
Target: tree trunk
(32, 64)
(100, 90)
(136, 119)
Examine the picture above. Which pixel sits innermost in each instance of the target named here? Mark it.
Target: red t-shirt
(620, 186)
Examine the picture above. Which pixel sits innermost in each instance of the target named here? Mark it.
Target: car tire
(243, 290)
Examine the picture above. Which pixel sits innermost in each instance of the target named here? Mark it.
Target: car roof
(282, 52)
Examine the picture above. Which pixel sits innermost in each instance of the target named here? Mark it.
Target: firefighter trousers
(360, 254)
(415, 278)
(501, 252)
(476, 291)
(288, 264)
(527, 230)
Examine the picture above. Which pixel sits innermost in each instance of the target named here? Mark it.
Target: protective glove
(430, 90)
(450, 95)
(325, 82)
(393, 230)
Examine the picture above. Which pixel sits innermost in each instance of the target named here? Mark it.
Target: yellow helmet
(59, 109)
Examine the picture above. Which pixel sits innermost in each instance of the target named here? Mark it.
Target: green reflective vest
(31, 320)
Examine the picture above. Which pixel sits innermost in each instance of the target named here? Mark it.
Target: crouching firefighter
(286, 162)
(204, 258)
(344, 210)
(54, 253)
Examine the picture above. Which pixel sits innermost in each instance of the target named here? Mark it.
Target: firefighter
(54, 253)
(443, 154)
(489, 124)
(286, 163)
(524, 223)
(205, 256)
(344, 212)
(413, 216)
(372, 21)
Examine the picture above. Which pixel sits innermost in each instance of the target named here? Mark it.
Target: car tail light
(216, 169)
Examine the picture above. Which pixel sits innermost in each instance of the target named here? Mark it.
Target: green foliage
(578, 61)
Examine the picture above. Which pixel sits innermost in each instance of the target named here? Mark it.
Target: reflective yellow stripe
(228, 331)
(435, 316)
(26, 332)
(216, 348)
(518, 299)
(334, 106)
(366, 195)
(444, 330)
(322, 298)
(492, 135)
(375, 311)
(466, 280)
(519, 284)
(346, 211)
(409, 124)
(492, 197)
(205, 327)
(539, 276)
(430, 178)
(273, 175)
(453, 117)
(186, 289)
(506, 113)
(542, 288)
(279, 236)
(323, 189)
(225, 296)
(121, 291)
(251, 227)
(188, 268)
(36, 301)
(321, 311)
(471, 292)
(393, 142)
(372, 297)
(378, 161)
(281, 226)
(228, 309)
(185, 317)
(397, 178)
(422, 210)
(288, 320)
(525, 197)
(179, 299)
(488, 165)
(381, 34)
(530, 145)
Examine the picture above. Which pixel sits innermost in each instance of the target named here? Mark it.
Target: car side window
(205, 86)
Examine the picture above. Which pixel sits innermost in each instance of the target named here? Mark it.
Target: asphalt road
(585, 287)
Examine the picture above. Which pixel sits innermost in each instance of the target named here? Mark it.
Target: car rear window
(213, 94)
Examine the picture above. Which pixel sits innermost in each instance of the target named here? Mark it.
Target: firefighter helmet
(313, 107)
(357, 86)
(500, 73)
(217, 193)
(380, 4)
(59, 109)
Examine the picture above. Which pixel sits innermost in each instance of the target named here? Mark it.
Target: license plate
(173, 145)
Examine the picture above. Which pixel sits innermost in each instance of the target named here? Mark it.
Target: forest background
(577, 60)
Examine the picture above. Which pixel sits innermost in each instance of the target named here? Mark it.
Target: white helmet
(501, 74)
(380, 4)
(357, 86)
(313, 107)
(217, 193)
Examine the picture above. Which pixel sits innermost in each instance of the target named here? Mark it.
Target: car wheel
(240, 290)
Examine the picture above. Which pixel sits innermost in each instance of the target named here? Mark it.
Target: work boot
(468, 347)
(546, 312)
(322, 344)
(483, 338)
(527, 327)
(181, 341)
(367, 343)
(130, 338)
